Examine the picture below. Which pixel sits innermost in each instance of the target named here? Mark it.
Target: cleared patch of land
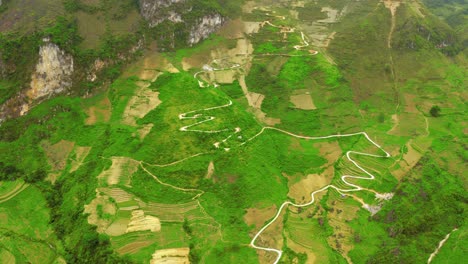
(303, 101)
(140, 104)
(171, 256)
(300, 191)
(211, 170)
(80, 155)
(57, 154)
(120, 171)
(144, 130)
(258, 217)
(142, 222)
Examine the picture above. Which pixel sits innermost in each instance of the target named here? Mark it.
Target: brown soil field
(303, 101)
(140, 104)
(258, 217)
(133, 247)
(171, 256)
(106, 206)
(120, 171)
(142, 222)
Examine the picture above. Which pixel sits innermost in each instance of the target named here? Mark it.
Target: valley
(259, 132)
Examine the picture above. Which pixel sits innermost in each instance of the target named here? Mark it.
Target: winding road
(354, 187)
(198, 115)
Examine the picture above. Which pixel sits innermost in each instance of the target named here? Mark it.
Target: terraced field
(300, 132)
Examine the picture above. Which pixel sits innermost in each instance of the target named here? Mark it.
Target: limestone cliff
(204, 27)
(52, 75)
(195, 22)
(157, 11)
(53, 72)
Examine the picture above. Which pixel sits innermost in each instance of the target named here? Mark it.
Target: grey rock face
(204, 27)
(197, 29)
(157, 11)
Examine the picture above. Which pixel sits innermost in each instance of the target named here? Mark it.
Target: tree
(435, 111)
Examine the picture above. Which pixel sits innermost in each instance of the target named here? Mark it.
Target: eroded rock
(53, 73)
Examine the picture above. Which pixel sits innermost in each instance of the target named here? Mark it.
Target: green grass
(26, 232)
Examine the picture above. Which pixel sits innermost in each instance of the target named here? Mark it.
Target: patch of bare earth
(175, 212)
(300, 190)
(251, 27)
(80, 155)
(249, 6)
(258, 217)
(331, 151)
(303, 100)
(298, 248)
(171, 256)
(142, 222)
(133, 247)
(392, 5)
(210, 171)
(140, 104)
(99, 113)
(119, 195)
(121, 170)
(144, 130)
(233, 29)
(396, 122)
(153, 63)
(100, 206)
(328, 40)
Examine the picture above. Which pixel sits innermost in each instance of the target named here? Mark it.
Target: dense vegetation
(412, 232)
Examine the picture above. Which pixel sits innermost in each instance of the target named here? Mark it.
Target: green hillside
(298, 132)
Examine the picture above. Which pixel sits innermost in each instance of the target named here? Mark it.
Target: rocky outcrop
(53, 73)
(157, 11)
(198, 25)
(205, 26)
